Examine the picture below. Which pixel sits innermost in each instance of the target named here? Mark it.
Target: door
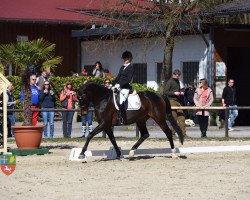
(238, 68)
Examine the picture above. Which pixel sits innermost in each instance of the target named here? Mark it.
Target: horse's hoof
(118, 158)
(81, 157)
(131, 153)
(174, 156)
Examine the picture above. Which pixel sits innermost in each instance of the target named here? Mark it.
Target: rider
(121, 84)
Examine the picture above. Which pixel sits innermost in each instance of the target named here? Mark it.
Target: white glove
(116, 87)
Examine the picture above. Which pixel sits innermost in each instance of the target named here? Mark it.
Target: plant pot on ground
(27, 57)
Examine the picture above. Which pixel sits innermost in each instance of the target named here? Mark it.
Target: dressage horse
(152, 106)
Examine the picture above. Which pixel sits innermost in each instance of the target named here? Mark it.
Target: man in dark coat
(174, 94)
(229, 100)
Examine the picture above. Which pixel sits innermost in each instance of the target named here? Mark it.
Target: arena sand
(192, 176)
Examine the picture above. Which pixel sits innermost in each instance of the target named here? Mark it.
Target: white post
(5, 100)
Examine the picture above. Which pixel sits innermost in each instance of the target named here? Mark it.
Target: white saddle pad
(134, 102)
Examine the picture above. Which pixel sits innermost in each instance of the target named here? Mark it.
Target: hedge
(59, 83)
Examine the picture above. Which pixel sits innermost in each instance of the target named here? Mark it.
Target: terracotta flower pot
(28, 137)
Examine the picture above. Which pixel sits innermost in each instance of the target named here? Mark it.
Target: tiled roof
(49, 11)
(234, 7)
(65, 11)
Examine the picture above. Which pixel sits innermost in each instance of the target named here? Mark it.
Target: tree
(26, 56)
(164, 18)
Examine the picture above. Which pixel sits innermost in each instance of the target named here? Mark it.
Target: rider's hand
(116, 87)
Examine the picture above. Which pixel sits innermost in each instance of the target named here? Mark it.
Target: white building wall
(151, 50)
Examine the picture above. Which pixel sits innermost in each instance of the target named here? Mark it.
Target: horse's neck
(103, 94)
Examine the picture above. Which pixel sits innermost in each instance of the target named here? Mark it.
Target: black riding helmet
(127, 54)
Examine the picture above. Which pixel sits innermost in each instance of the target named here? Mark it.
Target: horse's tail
(173, 121)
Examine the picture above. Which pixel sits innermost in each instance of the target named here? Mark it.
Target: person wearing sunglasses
(203, 97)
(68, 99)
(34, 98)
(47, 101)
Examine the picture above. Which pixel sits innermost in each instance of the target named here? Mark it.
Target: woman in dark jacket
(47, 100)
(121, 83)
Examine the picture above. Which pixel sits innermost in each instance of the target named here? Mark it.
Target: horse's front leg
(113, 141)
(97, 130)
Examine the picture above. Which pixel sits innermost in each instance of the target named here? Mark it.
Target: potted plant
(26, 57)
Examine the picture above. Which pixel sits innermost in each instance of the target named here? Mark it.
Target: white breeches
(123, 95)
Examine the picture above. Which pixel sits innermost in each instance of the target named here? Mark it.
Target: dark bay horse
(152, 106)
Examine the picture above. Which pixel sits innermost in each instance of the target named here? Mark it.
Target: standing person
(68, 98)
(203, 97)
(34, 98)
(88, 117)
(229, 100)
(175, 95)
(47, 101)
(107, 73)
(189, 99)
(98, 70)
(121, 84)
(107, 84)
(41, 79)
(10, 105)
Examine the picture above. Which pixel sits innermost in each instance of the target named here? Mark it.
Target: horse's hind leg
(144, 135)
(169, 135)
(113, 141)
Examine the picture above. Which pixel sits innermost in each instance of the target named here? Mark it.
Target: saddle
(133, 101)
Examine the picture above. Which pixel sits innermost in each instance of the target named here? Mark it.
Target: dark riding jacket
(124, 77)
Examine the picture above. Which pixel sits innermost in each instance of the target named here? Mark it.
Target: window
(22, 38)
(190, 73)
(140, 73)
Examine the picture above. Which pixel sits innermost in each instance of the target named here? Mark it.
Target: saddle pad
(133, 102)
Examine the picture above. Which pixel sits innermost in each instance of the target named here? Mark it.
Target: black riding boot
(203, 134)
(122, 114)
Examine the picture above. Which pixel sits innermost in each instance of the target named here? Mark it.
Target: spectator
(34, 98)
(107, 74)
(68, 98)
(229, 100)
(98, 71)
(47, 101)
(10, 105)
(107, 84)
(175, 95)
(203, 97)
(41, 79)
(189, 99)
(84, 72)
(88, 117)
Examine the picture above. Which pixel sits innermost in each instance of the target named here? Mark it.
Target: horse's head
(84, 98)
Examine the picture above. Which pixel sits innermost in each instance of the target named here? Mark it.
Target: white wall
(150, 51)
